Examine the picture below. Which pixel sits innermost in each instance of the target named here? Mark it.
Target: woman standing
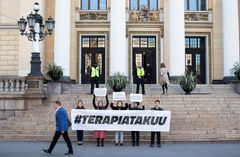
(164, 80)
(100, 134)
(119, 134)
(80, 132)
(135, 134)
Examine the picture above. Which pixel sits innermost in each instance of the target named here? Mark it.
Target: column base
(174, 79)
(230, 79)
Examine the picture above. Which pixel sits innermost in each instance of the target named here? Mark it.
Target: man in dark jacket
(61, 128)
(135, 134)
(158, 108)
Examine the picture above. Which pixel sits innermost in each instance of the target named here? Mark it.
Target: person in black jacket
(119, 134)
(80, 132)
(158, 108)
(135, 134)
(100, 134)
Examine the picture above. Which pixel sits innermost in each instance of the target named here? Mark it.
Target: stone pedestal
(54, 88)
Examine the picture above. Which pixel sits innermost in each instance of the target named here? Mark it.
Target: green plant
(117, 81)
(188, 83)
(54, 71)
(236, 70)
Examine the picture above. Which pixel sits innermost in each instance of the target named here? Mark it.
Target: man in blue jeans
(61, 129)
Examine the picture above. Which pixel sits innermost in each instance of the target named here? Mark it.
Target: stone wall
(9, 52)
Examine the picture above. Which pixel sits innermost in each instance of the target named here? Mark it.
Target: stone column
(118, 53)
(62, 35)
(230, 36)
(175, 35)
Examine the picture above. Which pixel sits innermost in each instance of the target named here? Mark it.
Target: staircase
(211, 113)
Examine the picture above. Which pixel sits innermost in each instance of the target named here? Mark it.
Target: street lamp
(36, 34)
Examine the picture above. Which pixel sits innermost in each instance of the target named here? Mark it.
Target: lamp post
(36, 34)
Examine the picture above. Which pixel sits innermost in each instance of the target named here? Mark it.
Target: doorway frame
(79, 47)
(207, 36)
(155, 34)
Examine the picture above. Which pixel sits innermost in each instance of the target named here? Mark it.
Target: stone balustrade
(12, 84)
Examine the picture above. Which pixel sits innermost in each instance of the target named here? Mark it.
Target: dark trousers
(135, 137)
(94, 80)
(164, 86)
(140, 81)
(148, 79)
(80, 135)
(65, 137)
(158, 138)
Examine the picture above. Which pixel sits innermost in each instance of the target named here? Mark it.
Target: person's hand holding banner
(119, 96)
(136, 97)
(100, 91)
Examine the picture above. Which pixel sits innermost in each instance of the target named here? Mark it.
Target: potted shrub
(236, 70)
(54, 71)
(187, 83)
(117, 81)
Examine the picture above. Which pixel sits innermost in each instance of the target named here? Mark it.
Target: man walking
(94, 76)
(61, 129)
(140, 78)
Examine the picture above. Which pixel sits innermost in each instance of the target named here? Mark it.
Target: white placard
(136, 97)
(100, 91)
(119, 96)
(121, 120)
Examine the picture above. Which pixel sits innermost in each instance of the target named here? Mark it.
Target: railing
(13, 84)
(198, 16)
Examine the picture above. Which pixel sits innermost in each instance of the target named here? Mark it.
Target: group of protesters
(62, 124)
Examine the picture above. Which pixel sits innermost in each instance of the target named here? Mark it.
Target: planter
(187, 83)
(187, 91)
(54, 72)
(117, 82)
(55, 78)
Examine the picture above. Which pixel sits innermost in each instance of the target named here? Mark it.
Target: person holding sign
(158, 108)
(100, 134)
(135, 134)
(95, 73)
(80, 106)
(140, 78)
(119, 134)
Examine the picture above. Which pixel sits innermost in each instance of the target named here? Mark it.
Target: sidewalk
(34, 149)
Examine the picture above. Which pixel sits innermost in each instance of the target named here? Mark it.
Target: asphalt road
(34, 149)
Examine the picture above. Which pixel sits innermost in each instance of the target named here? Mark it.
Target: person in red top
(100, 134)
(80, 132)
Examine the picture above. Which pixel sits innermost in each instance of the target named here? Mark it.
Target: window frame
(90, 39)
(139, 7)
(89, 5)
(199, 8)
(148, 41)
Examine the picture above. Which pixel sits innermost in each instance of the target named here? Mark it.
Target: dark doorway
(195, 58)
(144, 52)
(93, 51)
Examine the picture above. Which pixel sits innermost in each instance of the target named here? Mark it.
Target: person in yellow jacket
(94, 73)
(140, 78)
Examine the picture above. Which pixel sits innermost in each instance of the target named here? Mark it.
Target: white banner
(121, 120)
(100, 91)
(136, 97)
(119, 96)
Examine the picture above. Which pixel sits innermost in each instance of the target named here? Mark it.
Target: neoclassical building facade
(197, 35)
